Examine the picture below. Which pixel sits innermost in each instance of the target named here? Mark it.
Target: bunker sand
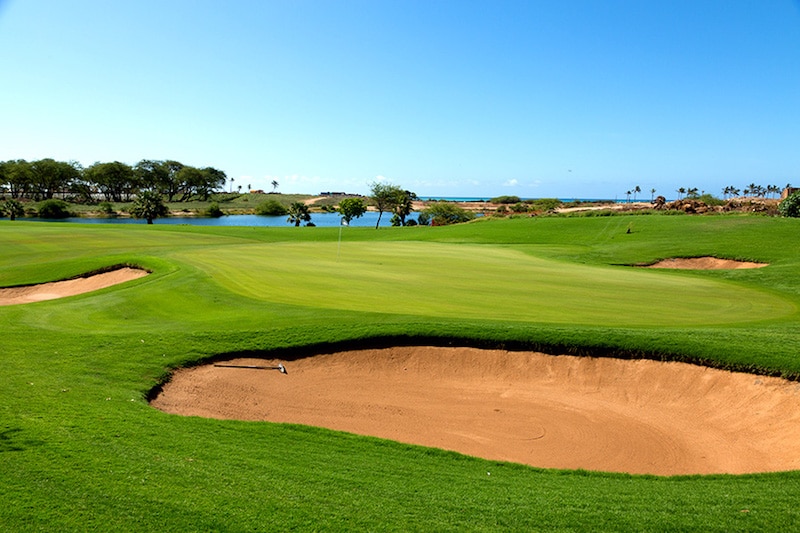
(642, 417)
(705, 263)
(62, 289)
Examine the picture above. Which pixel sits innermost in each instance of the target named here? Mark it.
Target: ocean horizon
(523, 199)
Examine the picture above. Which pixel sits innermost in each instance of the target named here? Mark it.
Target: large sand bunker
(704, 263)
(70, 287)
(548, 411)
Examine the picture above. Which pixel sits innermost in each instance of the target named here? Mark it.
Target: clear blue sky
(558, 98)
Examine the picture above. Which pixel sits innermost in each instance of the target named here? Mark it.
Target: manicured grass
(435, 279)
(84, 451)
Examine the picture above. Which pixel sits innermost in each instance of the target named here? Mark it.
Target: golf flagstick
(339, 246)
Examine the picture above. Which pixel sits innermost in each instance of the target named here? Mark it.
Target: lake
(370, 218)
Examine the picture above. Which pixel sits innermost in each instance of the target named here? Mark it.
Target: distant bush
(710, 199)
(505, 200)
(107, 208)
(519, 207)
(12, 209)
(545, 204)
(790, 207)
(213, 211)
(271, 208)
(54, 209)
(444, 213)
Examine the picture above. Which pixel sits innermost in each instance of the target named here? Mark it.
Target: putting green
(477, 281)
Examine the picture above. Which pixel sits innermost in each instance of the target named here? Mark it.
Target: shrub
(213, 211)
(545, 204)
(519, 208)
(54, 209)
(149, 205)
(271, 208)
(444, 213)
(12, 209)
(710, 200)
(790, 206)
(107, 208)
(505, 200)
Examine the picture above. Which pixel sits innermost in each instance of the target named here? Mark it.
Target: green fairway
(434, 279)
(83, 450)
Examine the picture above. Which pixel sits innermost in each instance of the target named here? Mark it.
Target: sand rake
(280, 368)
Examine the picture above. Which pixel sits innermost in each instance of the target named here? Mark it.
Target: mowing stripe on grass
(436, 279)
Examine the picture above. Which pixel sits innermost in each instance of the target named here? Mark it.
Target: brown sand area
(71, 287)
(635, 416)
(705, 263)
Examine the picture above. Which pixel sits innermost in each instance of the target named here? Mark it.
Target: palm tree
(149, 205)
(636, 190)
(298, 212)
(231, 187)
(730, 191)
(773, 190)
(12, 209)
(652, 194)
(681, 192)
(691, 192)
(628, 196)
(274, 185)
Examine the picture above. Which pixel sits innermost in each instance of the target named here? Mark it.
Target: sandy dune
(61, 289)
(547, 411)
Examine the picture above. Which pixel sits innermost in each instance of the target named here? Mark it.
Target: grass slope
(84, 451)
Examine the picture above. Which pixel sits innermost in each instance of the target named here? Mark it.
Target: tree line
(45, 179)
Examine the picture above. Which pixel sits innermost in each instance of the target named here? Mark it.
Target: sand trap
(555, 412)
(704, 263)
(71, 287)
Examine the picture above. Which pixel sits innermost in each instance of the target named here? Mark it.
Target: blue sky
(561, 98)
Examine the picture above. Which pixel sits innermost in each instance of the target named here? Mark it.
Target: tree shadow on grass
(12, 441)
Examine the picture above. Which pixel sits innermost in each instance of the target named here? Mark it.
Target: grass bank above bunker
(71, 287)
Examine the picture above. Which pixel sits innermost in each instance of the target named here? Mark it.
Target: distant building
(256, 191)
(788, 191)
(334, 194)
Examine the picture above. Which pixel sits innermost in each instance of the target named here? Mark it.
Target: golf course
(468, 315)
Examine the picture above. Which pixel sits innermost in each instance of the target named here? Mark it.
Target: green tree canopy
(403, 206)
(388, 198)
(271, 208)
(53, 208)
(49, 177)
(790, 206)
(298, 212)
(444, 213)
(16, 175)
(351, 208)
(149, 206)
(12, 209)
(116, 181)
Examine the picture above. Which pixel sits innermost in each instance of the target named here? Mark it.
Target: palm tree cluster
(636, 190)
(753, 189)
